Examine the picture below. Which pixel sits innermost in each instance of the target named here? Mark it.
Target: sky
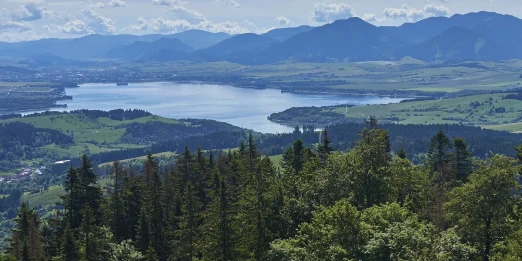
(22, 20)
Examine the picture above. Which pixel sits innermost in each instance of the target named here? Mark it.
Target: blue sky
(36, 19)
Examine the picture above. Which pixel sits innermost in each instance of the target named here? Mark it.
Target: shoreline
(282, 89)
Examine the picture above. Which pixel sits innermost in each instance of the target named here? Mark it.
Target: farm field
(491, 111)
(477, 110)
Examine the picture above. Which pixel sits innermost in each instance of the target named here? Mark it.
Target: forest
(368, 203)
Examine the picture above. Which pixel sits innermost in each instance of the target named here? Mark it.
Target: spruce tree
(324, 149)
(461, 160)
(439, 151)
(69, 246)
(143, 233)
(402, 154)
(188, 234)
(117, 208)
(154, 206)
(72, 200)
(90, 194)
(225, 231)
(253, 155)
(26, 241)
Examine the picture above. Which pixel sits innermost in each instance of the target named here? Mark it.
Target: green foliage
(124, 251)
(334, 233)
(26, 244)
(439, 151)
(482, 208)
(322, 205)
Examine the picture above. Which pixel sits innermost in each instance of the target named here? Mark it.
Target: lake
(247, 108)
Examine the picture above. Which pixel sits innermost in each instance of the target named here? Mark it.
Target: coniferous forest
(366, 203)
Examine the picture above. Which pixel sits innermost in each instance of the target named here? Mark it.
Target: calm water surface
(247, 108)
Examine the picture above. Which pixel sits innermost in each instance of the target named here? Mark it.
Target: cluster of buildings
(26, 173)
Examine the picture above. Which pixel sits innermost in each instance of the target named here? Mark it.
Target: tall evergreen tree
(439, 151)
(324, 149)
(26, 242)
(72, 200)
(217, 230)
(371, 173)
(69, 247)
(90, 194)
(402, 154)
(461, 160)
(154, 207)
(117, 207)
(253, 154)
(189, 230)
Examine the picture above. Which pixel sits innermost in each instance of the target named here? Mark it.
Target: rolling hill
(477, 36)
(140, 49)
(454, 44)
(283, 34)
(238, 43)
(351, 39)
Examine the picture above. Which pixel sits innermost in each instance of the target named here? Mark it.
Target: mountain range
(473, 36)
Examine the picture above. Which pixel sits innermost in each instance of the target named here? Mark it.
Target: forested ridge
(368, 203)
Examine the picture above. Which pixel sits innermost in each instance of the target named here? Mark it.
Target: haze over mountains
(473, 36)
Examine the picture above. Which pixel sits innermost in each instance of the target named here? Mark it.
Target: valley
(345, 139)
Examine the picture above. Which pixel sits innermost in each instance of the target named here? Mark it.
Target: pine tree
(253, 155)
(87, 235)
(439, 151)
(519, 152)
(117, 208)
(217, 231)
(143, 235)
(26, 242)
(461, 160)
(370, 173)
(69, 246)
(131, 199)
(402, 154)
(224, 230)
(189, 224)
(154, 206)
(72, 199)
(324, 149)
(90, 194)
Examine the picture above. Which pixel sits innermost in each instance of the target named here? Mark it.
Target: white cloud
(166, 2)
(75, 27)
(98, 23)
(28, 12)
(329, 12)
(369, 17)
(187, 14)
(95, 5)
(283, 21)
(231, 3)
(163, 25)
(117, 3)
(14, 26)
(61, 16)
(406, 12)
(413, 15)
(436, 10)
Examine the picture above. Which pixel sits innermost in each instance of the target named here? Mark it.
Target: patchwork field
(489, 110)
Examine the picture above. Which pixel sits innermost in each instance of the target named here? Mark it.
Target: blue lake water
(247, 108)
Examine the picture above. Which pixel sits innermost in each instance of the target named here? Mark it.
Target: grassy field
(90, 135)
(276, 160)
(408, 74)
(158, 155)
(489, 111)
(45, 198)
